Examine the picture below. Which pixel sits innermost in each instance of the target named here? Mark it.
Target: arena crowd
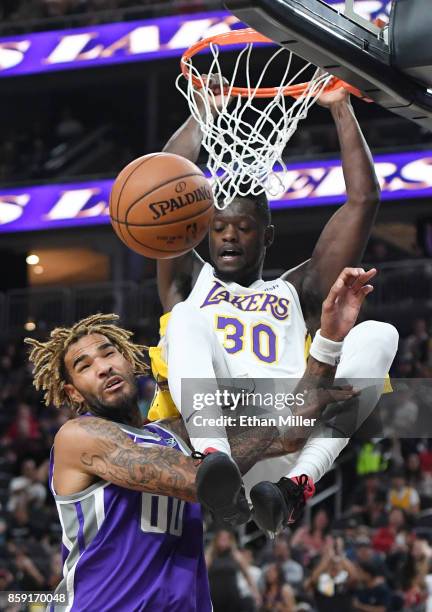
(375, 557)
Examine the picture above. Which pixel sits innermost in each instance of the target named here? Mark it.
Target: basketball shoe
(276, 505)
(220, 487)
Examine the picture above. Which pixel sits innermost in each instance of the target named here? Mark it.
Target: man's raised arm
(176, 277)
(186, 141)
(345, 236)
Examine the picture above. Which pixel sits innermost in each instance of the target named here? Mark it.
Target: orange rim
(245, 36)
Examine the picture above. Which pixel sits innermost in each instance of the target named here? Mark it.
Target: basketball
(161, 205)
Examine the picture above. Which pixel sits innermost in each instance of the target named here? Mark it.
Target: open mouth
(113, 383)
(229, 254)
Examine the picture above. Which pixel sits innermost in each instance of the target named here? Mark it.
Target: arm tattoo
(115, 458)
(252, 444)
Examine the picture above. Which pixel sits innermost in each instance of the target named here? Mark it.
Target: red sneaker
(308, 487)
(276, 505)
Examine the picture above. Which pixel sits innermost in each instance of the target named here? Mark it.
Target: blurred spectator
(25, 426)
(369, 500)
(52, 14)
(370, 459)
(19, 524)
(248, 598)
(350, 533)
(277, 596)
(405, 366)
(405, 412)
(416, 345)
(28, 486)
(7, 582)
(333, 579)
(292, 571)
(416, 575)
(3, 531)
(29, 576)
(422, 554)
(364, 553)
(375, 595)
(309, 541)
(224, 562)
(402, 495)
(415, 353)
(425, 455)
(413, 472)
(393, 533)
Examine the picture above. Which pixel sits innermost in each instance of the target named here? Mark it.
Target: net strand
(243, 153)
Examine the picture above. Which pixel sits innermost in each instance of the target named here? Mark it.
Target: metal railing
(400, 287)
(46, 308)
(333, 490)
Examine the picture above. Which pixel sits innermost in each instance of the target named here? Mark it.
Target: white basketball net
(242, 154)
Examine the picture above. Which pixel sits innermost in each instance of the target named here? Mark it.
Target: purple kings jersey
(127, 551)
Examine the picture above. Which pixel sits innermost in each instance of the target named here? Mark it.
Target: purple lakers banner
(108, 44)
(125, 42)
(401, 176)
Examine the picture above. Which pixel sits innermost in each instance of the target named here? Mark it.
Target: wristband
(325, 350)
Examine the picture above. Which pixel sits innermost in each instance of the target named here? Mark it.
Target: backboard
(370, 14)
(342, 38)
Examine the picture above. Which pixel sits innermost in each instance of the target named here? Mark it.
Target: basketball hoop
(243, 153)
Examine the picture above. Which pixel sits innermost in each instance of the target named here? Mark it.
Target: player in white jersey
(270, 311)
(233, 324)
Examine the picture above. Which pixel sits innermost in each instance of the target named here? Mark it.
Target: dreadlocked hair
(49, 374)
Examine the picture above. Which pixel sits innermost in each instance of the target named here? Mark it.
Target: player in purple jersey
(129, 550)
(132, 534)
(125, 490)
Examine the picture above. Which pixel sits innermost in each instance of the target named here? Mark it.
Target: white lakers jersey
(261, 327)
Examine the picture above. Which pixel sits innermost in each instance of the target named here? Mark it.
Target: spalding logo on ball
(160, 209)
(161, 205)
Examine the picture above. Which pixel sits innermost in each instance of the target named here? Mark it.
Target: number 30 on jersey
(237, 335)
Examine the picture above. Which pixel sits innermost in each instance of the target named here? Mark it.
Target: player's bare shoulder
(65, 436)
(84, 434)
(87, 430)
(72, 442)
(67, 443)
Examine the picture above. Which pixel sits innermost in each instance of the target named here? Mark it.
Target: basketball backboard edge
(341, 45)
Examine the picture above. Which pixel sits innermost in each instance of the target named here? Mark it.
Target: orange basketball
(161, 205)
